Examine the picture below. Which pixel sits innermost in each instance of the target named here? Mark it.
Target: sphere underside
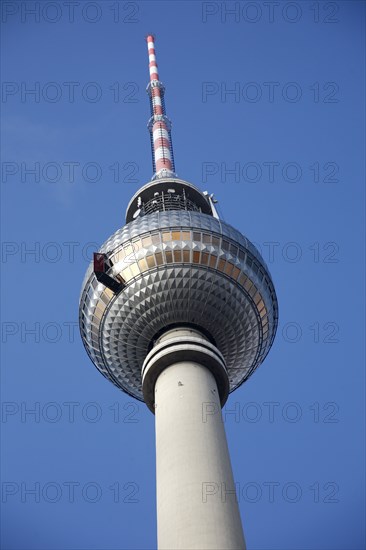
(178, 267)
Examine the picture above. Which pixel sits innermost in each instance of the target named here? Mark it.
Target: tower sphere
(175, 263)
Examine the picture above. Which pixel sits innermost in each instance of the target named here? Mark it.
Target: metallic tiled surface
(202, 271)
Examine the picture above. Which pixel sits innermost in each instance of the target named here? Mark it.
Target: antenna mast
(159, 124)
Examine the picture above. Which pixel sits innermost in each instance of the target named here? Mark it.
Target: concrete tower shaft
(196, 499)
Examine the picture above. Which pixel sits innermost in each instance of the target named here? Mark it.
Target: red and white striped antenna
(159, 124)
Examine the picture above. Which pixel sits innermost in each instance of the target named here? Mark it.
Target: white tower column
(196, 502)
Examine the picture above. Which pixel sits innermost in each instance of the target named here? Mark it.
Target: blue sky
(293, 133)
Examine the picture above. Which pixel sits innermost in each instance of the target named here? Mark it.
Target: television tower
(178, 309)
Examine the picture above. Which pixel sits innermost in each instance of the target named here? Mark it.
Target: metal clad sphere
(178, 267)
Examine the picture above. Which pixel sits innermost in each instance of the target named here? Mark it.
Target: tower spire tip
(159, 125)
